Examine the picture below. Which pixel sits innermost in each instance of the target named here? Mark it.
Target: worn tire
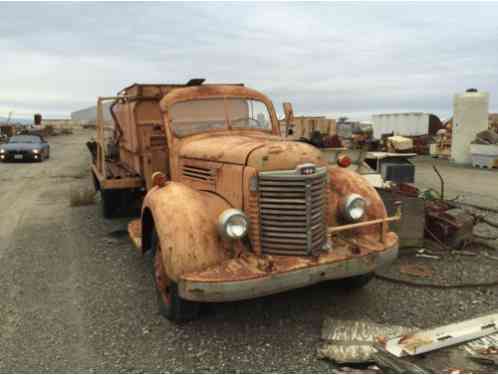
(174, 308)
(355, 282)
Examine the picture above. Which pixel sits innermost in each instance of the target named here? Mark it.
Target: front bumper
(8, 156)
(194, 289)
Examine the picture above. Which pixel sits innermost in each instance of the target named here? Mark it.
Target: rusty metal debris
(352, 341)
(488, 360)
(448, 226)
(443, 336)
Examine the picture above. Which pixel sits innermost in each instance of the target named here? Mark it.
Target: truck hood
(262, 153)
(20, 146)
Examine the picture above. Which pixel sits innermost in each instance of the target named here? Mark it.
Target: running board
(135, 233)
(441, 337)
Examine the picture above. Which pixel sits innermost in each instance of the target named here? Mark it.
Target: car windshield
(24, 139)
(201, 115)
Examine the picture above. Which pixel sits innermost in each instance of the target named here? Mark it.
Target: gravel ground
(77, 297)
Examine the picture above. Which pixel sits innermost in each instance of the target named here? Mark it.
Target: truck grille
(293, 211)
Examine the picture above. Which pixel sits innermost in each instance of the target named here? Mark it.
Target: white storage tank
(470, 116)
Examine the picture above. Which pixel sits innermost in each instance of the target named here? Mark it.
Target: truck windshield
(197, 116)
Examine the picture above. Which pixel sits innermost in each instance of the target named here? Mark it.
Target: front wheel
(170, 304)
(355, 282)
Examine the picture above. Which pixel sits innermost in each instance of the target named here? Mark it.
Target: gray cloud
(327, 58)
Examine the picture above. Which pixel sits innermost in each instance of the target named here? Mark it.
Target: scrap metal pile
(366, 347)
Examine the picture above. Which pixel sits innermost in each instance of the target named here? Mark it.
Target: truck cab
(237, 212)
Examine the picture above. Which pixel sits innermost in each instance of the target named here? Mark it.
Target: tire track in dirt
(41, 314)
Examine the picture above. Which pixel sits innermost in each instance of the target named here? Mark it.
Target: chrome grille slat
(292, 212)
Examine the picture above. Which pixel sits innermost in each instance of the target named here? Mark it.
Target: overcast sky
(333, 58)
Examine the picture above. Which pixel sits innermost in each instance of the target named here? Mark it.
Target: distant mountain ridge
(16, 120)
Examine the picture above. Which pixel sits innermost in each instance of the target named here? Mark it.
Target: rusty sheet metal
(443, 336)
(351, 341)
(483, 346)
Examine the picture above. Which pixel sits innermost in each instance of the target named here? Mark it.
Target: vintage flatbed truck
(232, 211)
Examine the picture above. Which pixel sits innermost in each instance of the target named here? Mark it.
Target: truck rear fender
(185, 222)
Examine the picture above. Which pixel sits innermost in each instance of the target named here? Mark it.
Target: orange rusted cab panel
(245, 213)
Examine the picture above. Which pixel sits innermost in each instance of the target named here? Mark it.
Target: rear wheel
(171, 305)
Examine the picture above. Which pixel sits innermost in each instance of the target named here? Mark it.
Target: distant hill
(16, 120)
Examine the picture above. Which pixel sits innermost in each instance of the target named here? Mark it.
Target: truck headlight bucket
(354, 207)
(233, 224)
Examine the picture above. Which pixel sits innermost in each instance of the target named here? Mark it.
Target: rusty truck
(231, 210)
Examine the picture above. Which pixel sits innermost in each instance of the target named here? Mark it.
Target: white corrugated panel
(406, 124)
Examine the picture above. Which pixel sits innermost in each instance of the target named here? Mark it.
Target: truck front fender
(185, 223)
(344, 182)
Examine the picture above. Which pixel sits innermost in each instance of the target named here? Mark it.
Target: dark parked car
(25, 147)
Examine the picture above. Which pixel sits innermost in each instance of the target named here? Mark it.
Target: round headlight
(35, 151)
(233, 224)
(354, 207)
(2, 151)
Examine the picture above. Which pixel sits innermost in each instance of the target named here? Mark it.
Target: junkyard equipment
(233, 211)
(448, 225)
(392, 166)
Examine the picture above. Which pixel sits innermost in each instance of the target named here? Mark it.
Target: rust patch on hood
(284, 155)
(263, 152)
(223, 148)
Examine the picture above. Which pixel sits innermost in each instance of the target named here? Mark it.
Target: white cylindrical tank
(470, 116)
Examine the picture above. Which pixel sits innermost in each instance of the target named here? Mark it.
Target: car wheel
(355, 282)
(170, 304)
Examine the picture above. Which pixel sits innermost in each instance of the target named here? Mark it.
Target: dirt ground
(77, 297)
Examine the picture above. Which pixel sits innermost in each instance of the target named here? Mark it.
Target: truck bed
(117, 176)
